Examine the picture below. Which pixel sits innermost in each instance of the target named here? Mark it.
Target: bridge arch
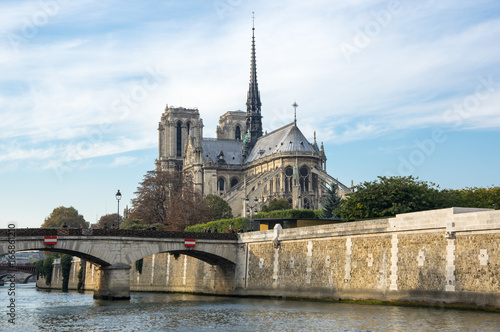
(114, 252)
(107, 251)
(203, 256)
(30, 276)
(206, 251)
(28, 246)
(5, 275)
(33, 276)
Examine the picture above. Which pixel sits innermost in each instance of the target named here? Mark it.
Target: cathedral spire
(254, 117)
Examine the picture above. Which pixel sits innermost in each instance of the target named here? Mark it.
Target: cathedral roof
(231, 150)
(285, 139)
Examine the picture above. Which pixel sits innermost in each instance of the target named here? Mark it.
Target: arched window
(234, 181)
(188, 126)
(288, 179)
(307, 205)
(220, 184)
(304, 178)
(179, 139)
(237, 133)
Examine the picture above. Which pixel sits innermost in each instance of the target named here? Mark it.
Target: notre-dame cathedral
(243, 165)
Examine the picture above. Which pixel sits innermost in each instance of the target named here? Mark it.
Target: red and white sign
(190, 243)
(50, 240)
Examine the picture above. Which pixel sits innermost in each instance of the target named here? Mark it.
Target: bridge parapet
(117, 232)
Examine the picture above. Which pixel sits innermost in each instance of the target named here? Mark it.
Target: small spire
(295, 112)
(315, 138)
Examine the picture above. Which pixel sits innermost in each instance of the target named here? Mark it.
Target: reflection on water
(57, 311)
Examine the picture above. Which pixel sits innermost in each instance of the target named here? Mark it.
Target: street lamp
(250, 208)
(118, 197)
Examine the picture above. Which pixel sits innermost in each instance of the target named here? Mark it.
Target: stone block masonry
(449, 256)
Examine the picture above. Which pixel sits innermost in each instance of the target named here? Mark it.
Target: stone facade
(57, 275)
(447, 256)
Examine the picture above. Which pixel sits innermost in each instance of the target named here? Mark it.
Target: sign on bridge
(190, 243)
(49, 240)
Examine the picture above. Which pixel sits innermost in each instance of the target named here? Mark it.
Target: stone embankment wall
(57, 275)
(445, 256)
(449, 256)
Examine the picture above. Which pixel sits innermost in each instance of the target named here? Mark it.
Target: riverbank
(443, 258)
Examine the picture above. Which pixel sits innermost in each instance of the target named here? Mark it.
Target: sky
(390, 87)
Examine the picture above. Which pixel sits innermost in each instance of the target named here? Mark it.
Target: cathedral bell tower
(253, 116)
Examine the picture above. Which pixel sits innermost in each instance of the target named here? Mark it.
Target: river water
(56, 311)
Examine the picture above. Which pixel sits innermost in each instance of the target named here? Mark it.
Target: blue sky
(390, 87)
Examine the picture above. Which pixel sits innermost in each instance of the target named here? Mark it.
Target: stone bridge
(28, 270)
(115, 250)
(29, 267)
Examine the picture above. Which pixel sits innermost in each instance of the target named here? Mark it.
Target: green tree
(65, 270)
(39, 268)
(276, 204)
(331, 202)
(389, 196)
(220, 209)
(65, 215)
(47, 269)
(487, 198)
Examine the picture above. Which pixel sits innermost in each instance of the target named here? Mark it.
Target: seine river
(57, 311)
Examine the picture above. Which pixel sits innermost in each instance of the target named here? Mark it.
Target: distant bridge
(29, 267)
(115, 250)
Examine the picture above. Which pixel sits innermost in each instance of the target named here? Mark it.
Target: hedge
(243, 223)
(287, 214)
(222, 225)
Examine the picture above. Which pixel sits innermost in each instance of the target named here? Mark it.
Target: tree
(109, 220)
(169, 198)
(65, 270)
(65, 215)
(389, 196)
(276, 204)
(487, 198)
(220, 209)
(331, 202)
(47, 269)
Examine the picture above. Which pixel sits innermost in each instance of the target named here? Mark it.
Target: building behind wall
(243, 165)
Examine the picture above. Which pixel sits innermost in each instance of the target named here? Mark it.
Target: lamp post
(249, 207)
(118, 197)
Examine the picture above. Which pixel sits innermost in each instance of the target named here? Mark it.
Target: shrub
(222, 225)
(65, 270)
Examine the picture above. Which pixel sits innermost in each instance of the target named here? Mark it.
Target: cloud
(121, 161)
(88, 68)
